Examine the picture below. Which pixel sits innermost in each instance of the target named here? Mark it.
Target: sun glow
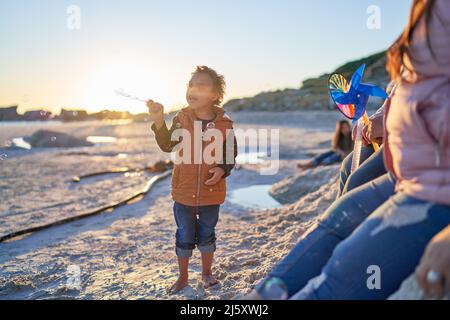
(99, 87)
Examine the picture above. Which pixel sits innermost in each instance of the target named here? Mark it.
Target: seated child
(198, 185)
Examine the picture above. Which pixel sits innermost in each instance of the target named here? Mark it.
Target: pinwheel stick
(358, 142)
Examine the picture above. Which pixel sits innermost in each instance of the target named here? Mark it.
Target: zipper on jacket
(199, 175)
(199, 170)
(437, 154)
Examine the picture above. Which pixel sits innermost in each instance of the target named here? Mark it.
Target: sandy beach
(87, 207)
(128, 253)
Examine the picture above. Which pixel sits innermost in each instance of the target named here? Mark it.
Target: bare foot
(209, 280)
(178, 285)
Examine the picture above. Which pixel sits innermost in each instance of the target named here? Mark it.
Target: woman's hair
(396, 52)
(338, 137)
(218, 82)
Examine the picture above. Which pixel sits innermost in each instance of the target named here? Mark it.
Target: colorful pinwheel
(351, 98)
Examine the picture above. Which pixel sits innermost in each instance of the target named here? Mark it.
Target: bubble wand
(122, 93)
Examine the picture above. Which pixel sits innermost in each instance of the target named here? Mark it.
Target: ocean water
(5, 124)
(256, 196)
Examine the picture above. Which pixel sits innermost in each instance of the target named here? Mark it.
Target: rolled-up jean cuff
(207, 248)
(183, 253)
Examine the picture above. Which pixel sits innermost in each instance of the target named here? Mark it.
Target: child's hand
(156, 112)
(218, 173)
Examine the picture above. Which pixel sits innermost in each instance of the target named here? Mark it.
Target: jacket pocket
(218, 187)
(206, 175)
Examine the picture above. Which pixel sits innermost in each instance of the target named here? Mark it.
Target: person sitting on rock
(342, 145)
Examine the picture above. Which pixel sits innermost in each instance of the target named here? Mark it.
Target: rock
(73, 115)
(9, 114)
(53, 139)
(291, 189)
(410, 290)
(37, 115)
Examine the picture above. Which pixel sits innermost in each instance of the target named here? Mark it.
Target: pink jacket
(417, 141)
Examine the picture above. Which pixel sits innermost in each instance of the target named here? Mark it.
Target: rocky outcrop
(9, 114)
(313, 93)
(72, 115)
(291, 189)
(53, 139)
(37, 115)
(410, 290)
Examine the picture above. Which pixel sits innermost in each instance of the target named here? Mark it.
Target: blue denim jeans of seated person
(307, 258)
(326, 158)
(195, 227)
(369, 227)
(388, 245)
(371, 167)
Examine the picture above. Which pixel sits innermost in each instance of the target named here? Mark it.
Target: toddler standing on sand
(198, 181)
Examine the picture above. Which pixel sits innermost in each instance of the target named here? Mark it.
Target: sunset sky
(149, 48)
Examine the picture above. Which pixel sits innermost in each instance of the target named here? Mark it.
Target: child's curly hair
(218, 82)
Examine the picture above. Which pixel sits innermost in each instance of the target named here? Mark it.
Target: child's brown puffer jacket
(188, 179)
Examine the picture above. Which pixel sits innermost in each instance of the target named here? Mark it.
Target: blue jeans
(326, 158)
(371, 167)
(195, 227)
(306, 259)
(392, 240)
(365, 227)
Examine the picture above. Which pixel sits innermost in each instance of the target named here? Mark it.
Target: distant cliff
(313, 93)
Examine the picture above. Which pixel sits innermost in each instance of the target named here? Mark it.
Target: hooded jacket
(417, 140)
